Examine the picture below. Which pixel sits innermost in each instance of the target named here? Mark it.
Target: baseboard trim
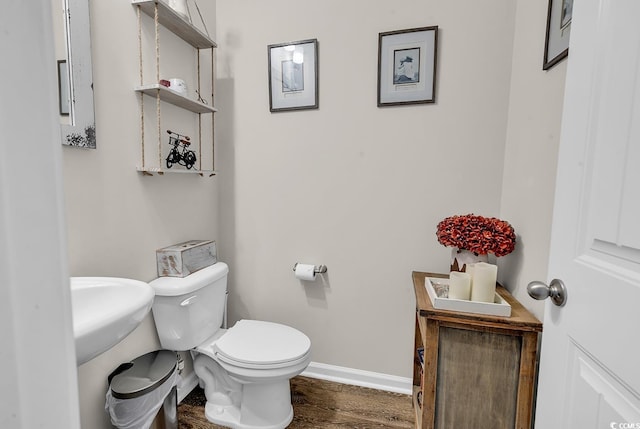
(358, 377)
(323, 371)
(186, 385)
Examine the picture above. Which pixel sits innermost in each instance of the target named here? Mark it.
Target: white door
(590, 362)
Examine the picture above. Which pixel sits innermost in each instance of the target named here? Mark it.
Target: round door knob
(556, 290)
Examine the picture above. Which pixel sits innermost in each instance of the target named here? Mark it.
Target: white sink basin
(105, 310)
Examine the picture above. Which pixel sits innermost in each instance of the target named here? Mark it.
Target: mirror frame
(81, 132)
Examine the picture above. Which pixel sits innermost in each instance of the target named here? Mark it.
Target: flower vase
(460, 258)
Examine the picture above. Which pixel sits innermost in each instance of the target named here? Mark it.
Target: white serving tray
(438, 290)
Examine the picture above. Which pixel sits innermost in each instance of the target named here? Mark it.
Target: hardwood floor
(322, 404)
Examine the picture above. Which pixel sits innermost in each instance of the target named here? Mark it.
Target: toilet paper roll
(305, 272)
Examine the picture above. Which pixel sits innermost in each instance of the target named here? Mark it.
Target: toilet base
(263, 406)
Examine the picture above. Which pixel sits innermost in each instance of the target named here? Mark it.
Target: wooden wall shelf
(478, 371)
(175, 98)
(150, 171)
(171, 20)
(165, 16)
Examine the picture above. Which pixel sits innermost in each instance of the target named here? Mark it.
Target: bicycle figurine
(180, 153)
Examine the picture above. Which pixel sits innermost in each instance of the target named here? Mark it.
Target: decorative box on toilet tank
(182, 259)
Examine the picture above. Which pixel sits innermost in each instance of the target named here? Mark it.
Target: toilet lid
(262, 343)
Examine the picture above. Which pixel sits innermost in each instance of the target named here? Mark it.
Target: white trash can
(142, 393)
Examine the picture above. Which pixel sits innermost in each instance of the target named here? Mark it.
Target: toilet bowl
(255, 383)
(244, 370)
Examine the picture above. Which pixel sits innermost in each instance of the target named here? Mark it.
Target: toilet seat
(262, 345)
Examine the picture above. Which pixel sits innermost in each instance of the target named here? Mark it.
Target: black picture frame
(63, 88)
(293, 76)
(558, 33)
(407, 63)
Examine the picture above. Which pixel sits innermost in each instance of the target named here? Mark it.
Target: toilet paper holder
(318, 269)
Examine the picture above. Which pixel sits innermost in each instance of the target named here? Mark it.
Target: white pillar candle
(469, 270)
(459, 285)
(484, 282)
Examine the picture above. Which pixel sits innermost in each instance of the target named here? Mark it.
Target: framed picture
(556, 44)
(63, 88)
(407, 66)
(293, 76)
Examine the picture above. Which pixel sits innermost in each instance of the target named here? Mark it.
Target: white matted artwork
(293, 76)
(556, 43)
(407, 66)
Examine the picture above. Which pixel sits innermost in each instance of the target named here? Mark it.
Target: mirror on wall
(75, 78)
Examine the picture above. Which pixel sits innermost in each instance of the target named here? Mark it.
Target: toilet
(244, 370)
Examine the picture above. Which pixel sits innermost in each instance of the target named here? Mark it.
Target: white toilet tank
(189, 310)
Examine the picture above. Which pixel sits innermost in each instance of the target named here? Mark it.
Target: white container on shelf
(180, 6)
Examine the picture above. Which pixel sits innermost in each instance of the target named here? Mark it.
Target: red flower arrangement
(477, 234)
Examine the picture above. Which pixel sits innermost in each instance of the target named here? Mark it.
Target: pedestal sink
(106, 310)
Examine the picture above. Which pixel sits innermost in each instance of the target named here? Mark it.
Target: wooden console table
(479, 370)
